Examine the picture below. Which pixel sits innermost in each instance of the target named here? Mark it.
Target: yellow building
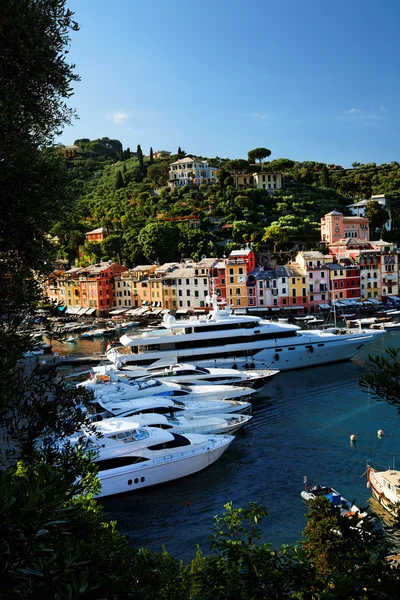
(73, 288)
(297, 287)
(236, 288)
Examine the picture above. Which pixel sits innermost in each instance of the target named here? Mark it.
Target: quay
(46, 364)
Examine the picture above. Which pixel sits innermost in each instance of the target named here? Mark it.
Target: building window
(237, 301)
(237, 291)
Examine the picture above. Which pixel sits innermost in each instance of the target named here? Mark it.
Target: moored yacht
(192, 374)
(104, 408)
(222, 339)
(116, 389)
(385, 487)
(204, 424)
(130, 457)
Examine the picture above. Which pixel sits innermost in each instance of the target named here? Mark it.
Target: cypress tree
(151, 156)
(119, 181)
(140, 157)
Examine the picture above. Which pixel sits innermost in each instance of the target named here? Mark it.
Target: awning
(293, 307)
(73, 311)
(182, 311)
(61, 308)
(117, 311)
(324, 306)
(265, 309)
(90, 311)
(200, 311)
(275, 308)
(240, 311)
(394, 298)
(82, 311)
(165, 311)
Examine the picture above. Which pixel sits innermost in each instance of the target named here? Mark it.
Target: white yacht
(130, 457)
(114, 388)
(104, 408)
(222, 339)
(204, 424)
(385, 487)
(192, 374)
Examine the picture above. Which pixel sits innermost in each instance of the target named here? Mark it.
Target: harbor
(302, 422)
(301, 426)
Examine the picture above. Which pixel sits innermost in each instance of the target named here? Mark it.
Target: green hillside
(125, 192)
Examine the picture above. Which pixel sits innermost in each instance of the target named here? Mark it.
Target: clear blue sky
(310, 80)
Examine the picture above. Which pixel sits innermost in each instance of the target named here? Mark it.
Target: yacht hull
(159, 470)
(283, 354)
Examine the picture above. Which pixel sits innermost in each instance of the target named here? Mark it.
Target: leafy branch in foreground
(383, 378)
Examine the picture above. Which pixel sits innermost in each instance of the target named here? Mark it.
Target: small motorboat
(71, 339)
(390, 326)
(347, 508)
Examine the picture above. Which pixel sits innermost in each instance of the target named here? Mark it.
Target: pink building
(335, 227)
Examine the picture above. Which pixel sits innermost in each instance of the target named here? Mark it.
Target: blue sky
(308, 80)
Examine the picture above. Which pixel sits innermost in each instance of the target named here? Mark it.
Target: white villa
(191, 171)
(358, 208)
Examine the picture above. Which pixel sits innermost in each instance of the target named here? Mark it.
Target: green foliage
(376, 214)
(276, 234)
(383, 377)
(258, 154)
(160, 241)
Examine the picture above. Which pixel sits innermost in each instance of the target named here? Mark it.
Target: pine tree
(151, 156)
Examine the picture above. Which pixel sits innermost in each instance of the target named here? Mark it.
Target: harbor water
(301, 426)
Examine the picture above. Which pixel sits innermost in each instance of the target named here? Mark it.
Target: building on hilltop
(191, 171)
(335, 227)
(96, 235)
(165, 154)
(358, 208)
(69, 151)
(261, 180)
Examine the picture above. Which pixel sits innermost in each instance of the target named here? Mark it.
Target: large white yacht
(204, 424)
(119, 390)
(131, 457)
(222, 339)
(104, 408)
(189, 374)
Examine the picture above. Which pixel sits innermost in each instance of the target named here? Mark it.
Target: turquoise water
(301, 426)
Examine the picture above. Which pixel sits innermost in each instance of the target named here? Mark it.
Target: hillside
(126, 193)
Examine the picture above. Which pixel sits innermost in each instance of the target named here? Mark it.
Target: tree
(119, 181)
(151, 156)
(324, 180)
(376, 214)
(258, 154)
(160, 241)
(275, 234)
(140, 157)
(355, 165)
(158, 173)
(383, 377)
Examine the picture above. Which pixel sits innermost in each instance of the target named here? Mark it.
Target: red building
(344, 281)
(247, 256)
(218, 279)
(97, 286)
(96, 235)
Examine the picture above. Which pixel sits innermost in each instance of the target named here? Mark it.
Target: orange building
(96, 235)
(92, 286)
